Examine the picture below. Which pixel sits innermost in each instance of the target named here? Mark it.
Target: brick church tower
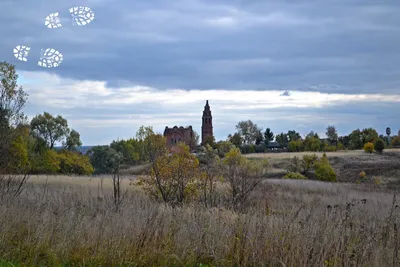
(206, 127)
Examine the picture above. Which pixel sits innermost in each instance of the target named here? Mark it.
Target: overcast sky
(300, 64)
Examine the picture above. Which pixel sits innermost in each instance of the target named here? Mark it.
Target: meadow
(71, 221)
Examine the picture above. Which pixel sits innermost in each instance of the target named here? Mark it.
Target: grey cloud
(168, 44)
(328, 46)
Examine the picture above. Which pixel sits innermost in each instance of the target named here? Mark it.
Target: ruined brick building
(177, 134)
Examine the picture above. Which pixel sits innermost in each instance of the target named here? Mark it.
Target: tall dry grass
(287, 224)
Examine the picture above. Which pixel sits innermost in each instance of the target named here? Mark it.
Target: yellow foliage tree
(18, 155)
(173, 177)
(74, 163)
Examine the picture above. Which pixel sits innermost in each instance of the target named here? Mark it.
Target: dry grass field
(70, 221)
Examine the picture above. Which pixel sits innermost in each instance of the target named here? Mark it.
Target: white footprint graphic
(81, 16)
(21, 52)
(52, 21)
(49, 57)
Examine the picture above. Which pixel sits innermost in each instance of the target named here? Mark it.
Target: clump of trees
(311, 167)
(29, 147)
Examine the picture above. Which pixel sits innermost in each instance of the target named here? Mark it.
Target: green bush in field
(294, 175)
(330, 148)
(324, 170)
(379, 145)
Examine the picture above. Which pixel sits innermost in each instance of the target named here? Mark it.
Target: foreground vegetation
(287, 223)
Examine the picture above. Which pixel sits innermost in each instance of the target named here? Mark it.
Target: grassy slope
(288, 223)
(347, 164)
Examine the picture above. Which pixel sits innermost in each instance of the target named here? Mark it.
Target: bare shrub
(242, 175)
(210, 165)
(12, 184)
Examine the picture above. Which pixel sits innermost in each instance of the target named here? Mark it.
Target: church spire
(206, 127)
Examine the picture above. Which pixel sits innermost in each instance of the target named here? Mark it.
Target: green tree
(312, 134)
(379, 145)
(293, 135)
(312, 143)
(210, 140)
(282, 139)
(127, 149)
(49, 128)
(12, 101)
(105, 159)
(292, 146)
(235, 139)
(332, 134)
(344, 140)
(73, 141)
(249, 131)
(369, 135)
(268, 136)
(259, 138)
(356, 139)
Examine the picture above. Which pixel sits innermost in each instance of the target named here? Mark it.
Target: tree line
(251, 138)
(30, 147)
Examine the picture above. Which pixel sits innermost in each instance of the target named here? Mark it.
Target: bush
(324, 171)
(330, 148)
(247, 149)
(379, 145)
(308, 163)
(369, 147)
(74, 163)
(259, 148)
(294, 175)
(396, 141)
(340, 146)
